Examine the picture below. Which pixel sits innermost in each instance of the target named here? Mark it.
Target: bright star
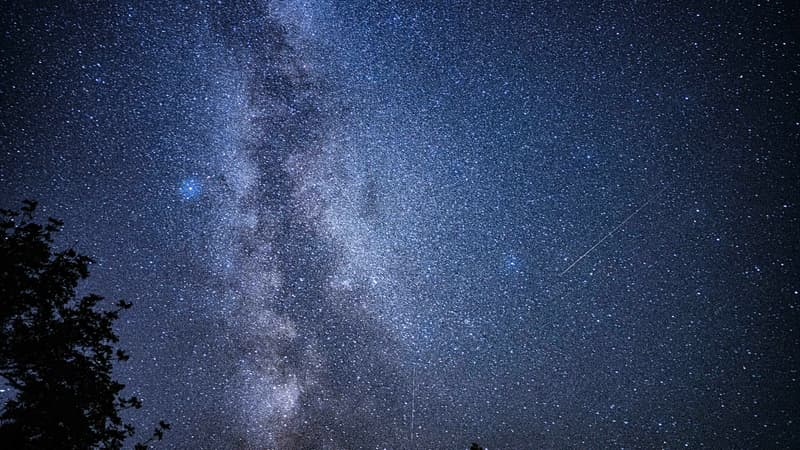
(512, 263)
(190, 188)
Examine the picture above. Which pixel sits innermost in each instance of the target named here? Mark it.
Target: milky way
(421, 225)
(316, 365)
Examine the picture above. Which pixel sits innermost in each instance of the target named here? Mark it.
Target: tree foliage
(56, 350)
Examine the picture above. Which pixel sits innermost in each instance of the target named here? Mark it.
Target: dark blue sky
(333, 216)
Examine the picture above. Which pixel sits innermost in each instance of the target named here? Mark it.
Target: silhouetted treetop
(56, 351)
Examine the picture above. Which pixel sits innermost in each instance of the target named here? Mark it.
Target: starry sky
(376, 224)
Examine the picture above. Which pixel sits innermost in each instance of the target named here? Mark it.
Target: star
(190, 188)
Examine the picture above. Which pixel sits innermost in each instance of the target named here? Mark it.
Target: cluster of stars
(334, 216)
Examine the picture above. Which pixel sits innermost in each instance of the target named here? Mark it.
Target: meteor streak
(610, 233)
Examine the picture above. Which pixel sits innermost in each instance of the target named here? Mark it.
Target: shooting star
(413, 392)
(610, 233)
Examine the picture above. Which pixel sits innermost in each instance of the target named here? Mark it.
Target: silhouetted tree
(475, 446)
(56, 350)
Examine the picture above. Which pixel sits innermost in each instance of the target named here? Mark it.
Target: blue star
(512, 263)
(191, 188)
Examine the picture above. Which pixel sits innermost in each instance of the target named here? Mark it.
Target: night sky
(373, 224)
